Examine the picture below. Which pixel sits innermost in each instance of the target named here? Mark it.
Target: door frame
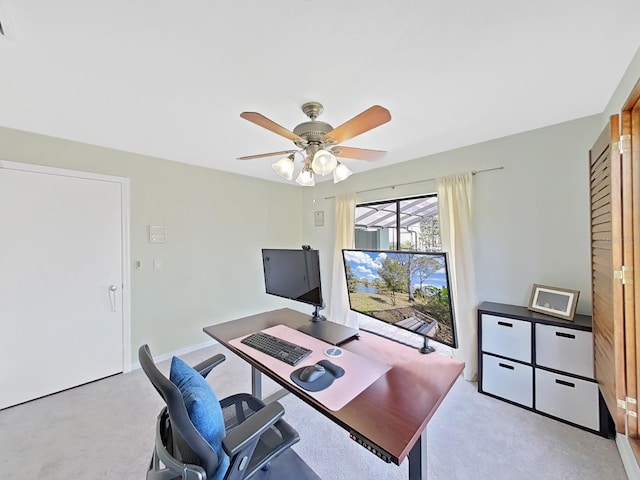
(125, 240)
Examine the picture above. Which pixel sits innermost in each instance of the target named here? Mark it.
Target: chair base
(287, 466)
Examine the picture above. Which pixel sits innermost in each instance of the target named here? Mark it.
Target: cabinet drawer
(565, 349)
(571, 399)
(510, 380)
(507, 337)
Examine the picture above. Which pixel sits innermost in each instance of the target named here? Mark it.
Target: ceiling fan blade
(272, 154)
(358, 153)
(371, 118)
(264, 122)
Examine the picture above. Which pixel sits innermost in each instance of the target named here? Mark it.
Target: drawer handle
(565, 335)
(566, 384)
(505, 324)
(509, 367)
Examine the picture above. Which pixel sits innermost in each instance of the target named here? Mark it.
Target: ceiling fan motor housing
(313, 132)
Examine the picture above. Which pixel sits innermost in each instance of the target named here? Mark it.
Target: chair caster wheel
(266, 467)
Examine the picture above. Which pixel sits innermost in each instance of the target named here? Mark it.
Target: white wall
(531, 219)
(216, 223)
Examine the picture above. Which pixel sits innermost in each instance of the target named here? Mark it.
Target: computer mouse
(311, 373)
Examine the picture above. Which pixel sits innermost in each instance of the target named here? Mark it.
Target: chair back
(183, 441)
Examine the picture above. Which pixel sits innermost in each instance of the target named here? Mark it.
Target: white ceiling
(170, 78)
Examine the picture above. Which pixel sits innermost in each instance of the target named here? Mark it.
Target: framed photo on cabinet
(554, 301)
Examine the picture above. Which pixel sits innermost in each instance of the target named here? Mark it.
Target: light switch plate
(318, 217)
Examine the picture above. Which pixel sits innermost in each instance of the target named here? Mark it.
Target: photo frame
(554, 301)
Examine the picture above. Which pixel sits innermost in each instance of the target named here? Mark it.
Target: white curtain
(454, 203)
(339, 311)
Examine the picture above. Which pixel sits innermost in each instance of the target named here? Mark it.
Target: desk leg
(256, 388)
(256, 383)
(418, 458)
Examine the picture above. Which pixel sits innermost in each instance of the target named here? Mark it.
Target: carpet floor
(105, 430)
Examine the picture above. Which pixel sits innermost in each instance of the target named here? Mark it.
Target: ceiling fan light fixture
(341, 172)
(323, 162)
(305, 178)
(319, 143)
(284, 167)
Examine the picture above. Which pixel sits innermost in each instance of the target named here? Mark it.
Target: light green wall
(531, 219)
(216, 223)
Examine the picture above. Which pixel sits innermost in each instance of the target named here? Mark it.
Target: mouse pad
(360, 372)
(323, 381)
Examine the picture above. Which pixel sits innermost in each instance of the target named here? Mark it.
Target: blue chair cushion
(203, 408)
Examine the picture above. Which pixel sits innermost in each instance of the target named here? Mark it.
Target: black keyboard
(276, 347)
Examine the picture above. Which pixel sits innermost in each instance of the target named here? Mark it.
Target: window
(401, 224)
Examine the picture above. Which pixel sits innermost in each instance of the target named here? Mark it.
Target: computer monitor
(295, 274)
(407, 289)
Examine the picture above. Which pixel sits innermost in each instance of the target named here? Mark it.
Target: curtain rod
(418, 181)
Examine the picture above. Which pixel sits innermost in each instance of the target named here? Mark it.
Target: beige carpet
(105, 430)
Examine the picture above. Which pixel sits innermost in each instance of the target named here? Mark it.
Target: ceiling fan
(319, 143)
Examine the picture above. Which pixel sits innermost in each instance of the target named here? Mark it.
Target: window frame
(398, 212)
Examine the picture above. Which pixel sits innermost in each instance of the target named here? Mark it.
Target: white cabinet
(540, 363)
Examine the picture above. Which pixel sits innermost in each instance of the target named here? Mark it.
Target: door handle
(112, 296)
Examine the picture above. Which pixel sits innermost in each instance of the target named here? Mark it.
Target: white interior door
(61, 282)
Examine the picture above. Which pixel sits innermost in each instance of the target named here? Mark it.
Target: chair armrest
(204, 367)
(252, 428)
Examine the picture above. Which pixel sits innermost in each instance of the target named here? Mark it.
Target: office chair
(246, 435)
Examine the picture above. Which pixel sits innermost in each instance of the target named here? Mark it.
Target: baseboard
(628, 458)
(177, 353)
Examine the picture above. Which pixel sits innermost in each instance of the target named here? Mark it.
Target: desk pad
(360, 372)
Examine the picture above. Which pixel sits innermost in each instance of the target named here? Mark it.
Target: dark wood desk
(393, 412)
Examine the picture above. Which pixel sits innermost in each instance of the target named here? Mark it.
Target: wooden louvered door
(615, 255)
(606, 257)
(631, 155)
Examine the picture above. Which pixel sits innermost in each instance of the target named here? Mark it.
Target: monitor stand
(426, 348)
(335, 334)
